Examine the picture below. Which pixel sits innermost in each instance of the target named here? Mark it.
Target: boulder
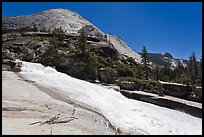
(11, 65)
(107, 76)
(8, 64)
(198, 92)
(17, 67)
(176, 90)
(6, 54)
(127, 85)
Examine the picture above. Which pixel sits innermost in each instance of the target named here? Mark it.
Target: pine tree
(192, 68)
(145, 61)
(200, 72)
(157, 73)
(165, 72)
(82, 42)
(178, 71)
(58, 33)
(179, 68)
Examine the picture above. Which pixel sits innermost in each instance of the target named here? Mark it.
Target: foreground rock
(189, 107)
(27, 109)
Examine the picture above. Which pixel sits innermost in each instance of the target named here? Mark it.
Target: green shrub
(138, 73)
(108, 68)
(91, 67)
(130, 59)
(125, 70)
(53, 41)
(92, 58)
(58, 33)
(198, 82)
(145, 84)
(103, 62)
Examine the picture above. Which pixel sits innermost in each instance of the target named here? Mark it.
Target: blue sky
(174, 27)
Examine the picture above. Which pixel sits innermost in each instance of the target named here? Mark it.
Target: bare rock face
(168, 55)
(31, 110)
(70, 22)
(123, 48)
(91, 31)
(24, 48)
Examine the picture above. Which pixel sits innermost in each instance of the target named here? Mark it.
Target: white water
(131, 116)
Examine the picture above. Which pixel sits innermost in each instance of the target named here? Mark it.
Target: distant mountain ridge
(163, 59)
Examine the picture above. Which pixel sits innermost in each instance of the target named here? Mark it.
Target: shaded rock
(11, 65)
(176, 90)
(17, 67)
(198, 92)
(35, 44)
(104, 49)
(8, 65)
(183, 91)
(93, 33)
(6, 54)
(127, 85)
(107, 76)
(189, 107)
(10, 36)
(168, 55)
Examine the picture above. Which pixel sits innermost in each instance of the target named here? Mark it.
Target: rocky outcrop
(70, 22)
(75, 68)
(177, 90)
(8, 65)
(189, 107)
(183, 91)
(165, 59)
(198, 92)
(48, 20)
(104, 49)
(92, 32)
(127, 85)
(24, 48)
(107, 75)
(64, 55)
(168, 55)
(11, 65)
(123, 48)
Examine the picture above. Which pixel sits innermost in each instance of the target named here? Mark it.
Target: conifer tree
(58, 33)
(192, 68)
(82, 42)
(157, 73)
(145, 61)
(178, 71)
(200, 72)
